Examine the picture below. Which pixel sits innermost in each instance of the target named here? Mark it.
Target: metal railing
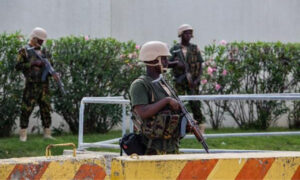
(124, 102)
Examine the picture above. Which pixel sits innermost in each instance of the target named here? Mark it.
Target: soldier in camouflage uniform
(156, 112)
(36, 90)
(186, 62)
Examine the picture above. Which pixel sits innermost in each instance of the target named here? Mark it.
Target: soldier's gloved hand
(38, 63)
(174, 104)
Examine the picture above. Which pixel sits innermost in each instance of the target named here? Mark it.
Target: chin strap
(158, 64)
(158, 79)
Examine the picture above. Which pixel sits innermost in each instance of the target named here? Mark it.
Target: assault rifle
(187, 117)
(48, 69)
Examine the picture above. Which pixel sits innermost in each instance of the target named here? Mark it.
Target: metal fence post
(80, 133)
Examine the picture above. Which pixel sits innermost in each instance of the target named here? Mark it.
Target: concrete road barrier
(271, 165)
(268, 165)
(56, 167)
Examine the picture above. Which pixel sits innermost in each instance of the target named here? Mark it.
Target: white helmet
(152, 50)
(184, 27)
(39, 33)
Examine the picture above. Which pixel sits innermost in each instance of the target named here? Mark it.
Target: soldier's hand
(191, 85)
(56, 76)
(38, 63)
(174, 104)
(196, 82)
(181, 65)
(172, 63)
(189, 128)
(176, 58)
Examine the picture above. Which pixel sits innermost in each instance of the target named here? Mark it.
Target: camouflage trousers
(195, 106)
(36, 93)
(161, 146)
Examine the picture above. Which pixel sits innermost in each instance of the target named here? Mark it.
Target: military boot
(47, 133)
(23, 135)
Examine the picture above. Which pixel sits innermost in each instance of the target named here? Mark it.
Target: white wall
(232, 20)
(58, 17)
(144, 20)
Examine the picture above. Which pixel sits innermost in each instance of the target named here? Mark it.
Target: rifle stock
(190, 120)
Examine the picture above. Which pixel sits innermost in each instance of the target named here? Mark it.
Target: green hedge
(88, 67)
(10, 82)
(251, 68)
(106, 67)
(93, 68)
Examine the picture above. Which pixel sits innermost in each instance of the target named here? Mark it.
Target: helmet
(39, 33)
(183, 28)
(152, 50)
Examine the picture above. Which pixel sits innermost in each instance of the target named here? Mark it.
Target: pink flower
(223, 42)
(214, 69)
(224, 73)
(203, 81)
(137, 47)
(210, 70)
(86, 38)
(217, 87)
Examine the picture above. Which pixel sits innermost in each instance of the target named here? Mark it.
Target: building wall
(232, 20)
(144, 20)
(58, 17)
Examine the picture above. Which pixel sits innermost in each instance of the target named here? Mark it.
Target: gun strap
(169, 89)
(165, 88)
(29, 51)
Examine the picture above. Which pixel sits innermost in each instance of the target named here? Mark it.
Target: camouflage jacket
(193, 59)
(24, 60)
(165, 124)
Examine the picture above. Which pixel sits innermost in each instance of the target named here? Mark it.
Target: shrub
(106, 67)
(10, 82)
(92, 68)
(251, 68)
